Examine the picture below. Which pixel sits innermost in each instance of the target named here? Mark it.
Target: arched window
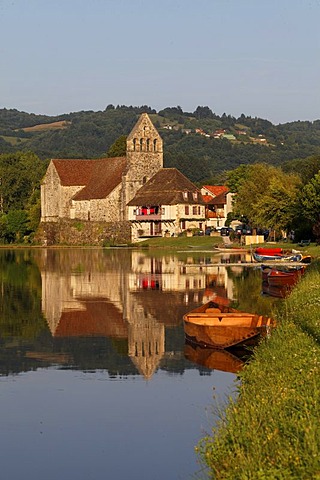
(141, 144)
(134, 144)
(155, 145)
(148, 144)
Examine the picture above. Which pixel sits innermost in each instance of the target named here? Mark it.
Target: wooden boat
(218, 326)
(284, 277)
(293, 257)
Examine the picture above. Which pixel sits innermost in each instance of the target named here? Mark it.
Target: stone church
(100, 190)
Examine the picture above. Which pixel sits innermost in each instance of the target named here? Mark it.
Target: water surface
(96, 378)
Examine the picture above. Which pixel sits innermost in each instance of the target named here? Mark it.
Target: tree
(236, 177)
(14, 226)
(310, 201)
(267, 197)
(203, 112)
(20, 175)
(118, 148)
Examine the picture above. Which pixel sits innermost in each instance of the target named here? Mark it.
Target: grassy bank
(272, 430)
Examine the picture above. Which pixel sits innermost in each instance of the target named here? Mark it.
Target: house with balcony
(218, 203)
(166, 205)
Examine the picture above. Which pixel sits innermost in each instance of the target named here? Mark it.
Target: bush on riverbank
(272, 430)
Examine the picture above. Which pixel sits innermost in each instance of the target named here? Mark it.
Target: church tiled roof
(98, 177)
(106, 175)
(73, 172)
(167, 187)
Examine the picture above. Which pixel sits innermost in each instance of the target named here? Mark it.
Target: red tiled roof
(106, 175)
(73, 172)
(207, 198)
(99, 177)
(216, 189)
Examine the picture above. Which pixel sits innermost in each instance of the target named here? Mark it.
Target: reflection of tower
(145, 342)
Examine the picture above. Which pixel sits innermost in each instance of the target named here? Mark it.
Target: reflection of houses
(87, 294)
(165, 274)
(218, 202)
(124, 295)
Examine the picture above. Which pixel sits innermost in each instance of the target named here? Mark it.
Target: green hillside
(201, 144)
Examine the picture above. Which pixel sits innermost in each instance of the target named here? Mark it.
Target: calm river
(96, 379)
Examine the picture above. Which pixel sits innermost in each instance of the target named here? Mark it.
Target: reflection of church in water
(124, 295)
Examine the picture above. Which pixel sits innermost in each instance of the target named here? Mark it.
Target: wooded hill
(201, 144)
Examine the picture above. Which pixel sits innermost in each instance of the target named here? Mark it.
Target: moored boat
(293, 257)
(269, 251)
(281, 277)
(218, 326)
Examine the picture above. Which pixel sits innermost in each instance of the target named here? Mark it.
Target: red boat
(269, 251)
(284, 277)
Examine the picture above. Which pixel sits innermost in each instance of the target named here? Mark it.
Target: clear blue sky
(257, 57)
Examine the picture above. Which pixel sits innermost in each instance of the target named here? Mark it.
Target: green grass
(271, 431)
(174, 243)
(14, 140)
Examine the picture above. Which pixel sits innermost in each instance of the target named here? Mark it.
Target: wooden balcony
(148, 218)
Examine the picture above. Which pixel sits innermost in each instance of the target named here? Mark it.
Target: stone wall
(81, 232)
(98, 209)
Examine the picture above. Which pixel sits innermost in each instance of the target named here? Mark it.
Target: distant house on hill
(218, 201)
(101, 190)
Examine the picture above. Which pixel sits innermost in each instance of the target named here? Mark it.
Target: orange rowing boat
(219, 326)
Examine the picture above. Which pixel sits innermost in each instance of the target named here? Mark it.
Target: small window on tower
(148, 144)
(155, 145)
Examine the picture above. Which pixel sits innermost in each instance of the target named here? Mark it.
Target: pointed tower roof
(144, 128)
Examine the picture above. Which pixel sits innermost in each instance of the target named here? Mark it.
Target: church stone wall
(55, 198)
(83, 232)
(99, 209)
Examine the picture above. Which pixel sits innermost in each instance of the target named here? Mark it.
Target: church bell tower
(144, 158)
